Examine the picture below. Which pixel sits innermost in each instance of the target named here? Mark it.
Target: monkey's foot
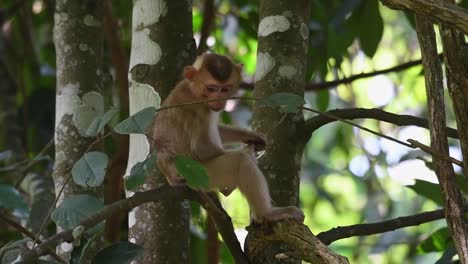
(281, 213)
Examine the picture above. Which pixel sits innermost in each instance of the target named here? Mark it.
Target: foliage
(348, 177)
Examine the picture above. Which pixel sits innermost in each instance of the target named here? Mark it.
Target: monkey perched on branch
(193, 131)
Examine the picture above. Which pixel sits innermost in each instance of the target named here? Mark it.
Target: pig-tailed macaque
(193, 131)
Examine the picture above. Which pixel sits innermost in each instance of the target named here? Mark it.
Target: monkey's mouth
(216, 106)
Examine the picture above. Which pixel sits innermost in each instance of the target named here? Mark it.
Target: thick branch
(337, 233)
(438, 11)
(318, 121)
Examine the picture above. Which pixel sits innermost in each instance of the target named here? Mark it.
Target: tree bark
(78, 43)
(281, 67)
(453, 205)
(162, 44)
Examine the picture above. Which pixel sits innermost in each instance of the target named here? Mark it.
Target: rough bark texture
(435, 103)
(455, 52)
(281, 67)
(78, 42)
(162, 44)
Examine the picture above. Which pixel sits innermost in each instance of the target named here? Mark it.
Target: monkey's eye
(212, 88)
(225, 89)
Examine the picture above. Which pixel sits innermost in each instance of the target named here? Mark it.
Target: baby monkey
(193, 131)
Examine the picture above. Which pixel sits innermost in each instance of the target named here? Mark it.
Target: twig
(432, 152)
(51, 209)
(342, 232)
(412, 143)
(30, 235)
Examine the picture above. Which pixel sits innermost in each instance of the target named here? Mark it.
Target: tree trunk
(451, 194)
(162, 44)
(78, 43)
(281, 67)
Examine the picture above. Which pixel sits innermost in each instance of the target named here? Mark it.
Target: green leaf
(193, 172)
(429, 190)
(11, 198)
(323, 98)
(89, 171)
(139, 170)
(370, 25)
(120, 253)
(288, 103)
(99, 122)
(462, 183)
(137, 123)
(74, 209)
(440, 240)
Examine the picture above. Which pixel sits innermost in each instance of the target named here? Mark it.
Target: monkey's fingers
(177, 181)
(258, 144)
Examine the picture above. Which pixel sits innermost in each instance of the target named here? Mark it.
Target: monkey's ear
(189, 72)
(239, 66)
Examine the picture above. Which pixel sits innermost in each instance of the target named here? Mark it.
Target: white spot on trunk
(67, 101)
(271, 24)
(141, 96)
(91, 21)
(287, 71)
(265, 63)
(147, 12)
(66, 247)
(92, 106)
(144, 49)
(131, 219)
(132, 240)
(304, 31)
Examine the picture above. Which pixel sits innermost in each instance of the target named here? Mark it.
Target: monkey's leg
(239, 169)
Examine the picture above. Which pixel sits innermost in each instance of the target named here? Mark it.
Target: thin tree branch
(337, 233)
(318, 121)
(441, 12)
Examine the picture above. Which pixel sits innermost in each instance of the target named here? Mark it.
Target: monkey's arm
(232, 134)
(167, 166)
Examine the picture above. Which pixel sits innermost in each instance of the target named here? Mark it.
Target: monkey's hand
(176, 180)
(258, 141)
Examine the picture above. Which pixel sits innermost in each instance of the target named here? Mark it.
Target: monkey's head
(213, 76)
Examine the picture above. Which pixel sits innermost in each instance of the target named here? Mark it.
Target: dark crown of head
(220, 67)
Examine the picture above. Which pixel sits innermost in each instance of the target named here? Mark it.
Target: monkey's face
(217, 92)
